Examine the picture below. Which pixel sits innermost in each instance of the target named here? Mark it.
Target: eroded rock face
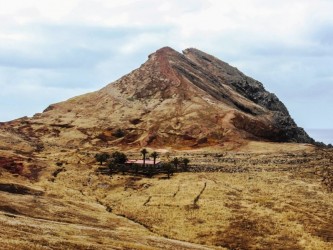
(173, 99)
(284, 128)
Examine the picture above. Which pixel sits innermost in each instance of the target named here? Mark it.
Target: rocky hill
(191, 99)
(243, 192)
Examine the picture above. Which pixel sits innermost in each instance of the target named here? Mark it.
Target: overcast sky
(51, 50)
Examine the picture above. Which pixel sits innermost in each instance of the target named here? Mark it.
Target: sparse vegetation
(102, 157)
(119, 133)
(185, 162)
(168, 167)
(117, 162)
(175, 162)
(59, 163)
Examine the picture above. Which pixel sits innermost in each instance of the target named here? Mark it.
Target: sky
(53, 50)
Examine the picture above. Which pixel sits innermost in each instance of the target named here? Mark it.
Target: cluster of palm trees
(176, 162)
(144, 152)
(117, 162)
(183, 162)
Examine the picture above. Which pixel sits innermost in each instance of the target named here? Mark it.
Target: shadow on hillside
(147, 171)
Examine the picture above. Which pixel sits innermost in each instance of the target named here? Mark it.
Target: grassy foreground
(266, 198)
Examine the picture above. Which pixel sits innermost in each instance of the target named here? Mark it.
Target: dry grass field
(263, 196)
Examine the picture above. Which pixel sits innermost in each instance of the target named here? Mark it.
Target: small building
(147, 162)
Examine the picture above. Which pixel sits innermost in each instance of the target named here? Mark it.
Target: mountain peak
(164, 52)
(190, 99)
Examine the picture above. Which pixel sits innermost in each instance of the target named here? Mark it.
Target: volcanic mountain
(179, 100)
(55, 195)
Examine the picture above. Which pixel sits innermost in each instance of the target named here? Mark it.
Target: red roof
(148, 162)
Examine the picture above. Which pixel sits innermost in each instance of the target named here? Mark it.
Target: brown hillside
(191, 99)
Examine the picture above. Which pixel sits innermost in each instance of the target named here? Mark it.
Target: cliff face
(191, 99)
(285, 129)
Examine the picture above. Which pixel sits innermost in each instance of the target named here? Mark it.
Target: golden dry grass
(269, 210)
(275, 201)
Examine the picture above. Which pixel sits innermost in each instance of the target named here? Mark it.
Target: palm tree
(144, 152)
(154, 155)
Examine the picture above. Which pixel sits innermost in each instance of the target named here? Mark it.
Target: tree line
(117, 162)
